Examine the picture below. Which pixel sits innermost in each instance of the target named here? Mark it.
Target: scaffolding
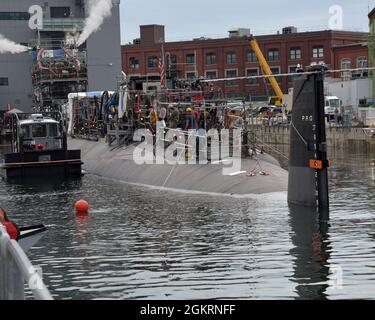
(55, 74)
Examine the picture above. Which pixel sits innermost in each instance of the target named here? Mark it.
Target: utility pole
(195, 64)
(169, 64)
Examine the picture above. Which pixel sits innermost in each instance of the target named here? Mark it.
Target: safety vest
(153, 117)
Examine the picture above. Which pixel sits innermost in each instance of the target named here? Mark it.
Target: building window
(251, 57)
(251, 73)
(152, 62)
(190, 58)
(273, 54)
(362, 62)
(232, 95)
(346, 64)
(39, 130)
(292, 69)
(275, 71)
(171, 65)
(231, 58)
(14, 16)
(318, 52)
(134, 63)
(211, 75)
(191, 76)
(211, 58)
(4, 82)
(60, 12)
(172, 58)
(231, 74)
(295, 53)
(252, 94)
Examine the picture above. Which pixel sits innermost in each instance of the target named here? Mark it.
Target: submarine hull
(118, 164)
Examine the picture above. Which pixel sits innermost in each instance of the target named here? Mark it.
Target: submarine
(259, 175)
(305, 181)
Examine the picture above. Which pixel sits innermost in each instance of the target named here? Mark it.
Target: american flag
(162, 67)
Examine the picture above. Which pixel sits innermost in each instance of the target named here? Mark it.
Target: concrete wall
(104, 52)
(18, 92)
(17, 67)
(104, 55)
(355, 139)
(350, 92)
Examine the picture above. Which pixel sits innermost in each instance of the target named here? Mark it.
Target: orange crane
(278, 99)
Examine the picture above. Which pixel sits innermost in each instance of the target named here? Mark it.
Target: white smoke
(8, 46)
(71, 38)
(98, 10)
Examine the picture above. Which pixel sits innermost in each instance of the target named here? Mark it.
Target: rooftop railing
(63, 24)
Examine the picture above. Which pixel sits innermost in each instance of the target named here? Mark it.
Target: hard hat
(189, 110)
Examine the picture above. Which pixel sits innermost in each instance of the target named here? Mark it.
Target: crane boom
(266, 68)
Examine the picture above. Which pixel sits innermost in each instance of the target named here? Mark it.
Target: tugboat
(39, 147)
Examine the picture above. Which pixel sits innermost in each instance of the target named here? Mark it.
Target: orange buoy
(82, 207)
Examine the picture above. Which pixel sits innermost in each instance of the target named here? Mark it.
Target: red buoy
(82, 207)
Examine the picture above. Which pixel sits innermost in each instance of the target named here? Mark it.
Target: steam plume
(8, 46)
(98, 11)
(71, 38)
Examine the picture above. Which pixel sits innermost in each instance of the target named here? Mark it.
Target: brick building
(232, 56)
(371, 48)
(351, 56)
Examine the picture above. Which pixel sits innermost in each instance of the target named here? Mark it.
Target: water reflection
(311, 252)
(146, 244)
(43, 184)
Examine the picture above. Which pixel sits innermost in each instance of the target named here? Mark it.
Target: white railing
(15, 270)
(63, 24)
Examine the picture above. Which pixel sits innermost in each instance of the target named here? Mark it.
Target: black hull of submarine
(118, 165)
(308, 164)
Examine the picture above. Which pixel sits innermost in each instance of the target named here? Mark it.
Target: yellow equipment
(278, 99)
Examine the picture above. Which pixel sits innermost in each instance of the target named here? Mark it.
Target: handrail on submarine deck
(15, 270)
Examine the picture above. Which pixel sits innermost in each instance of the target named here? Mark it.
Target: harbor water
(148, 244)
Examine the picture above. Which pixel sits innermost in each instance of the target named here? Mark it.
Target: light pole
(169, 64)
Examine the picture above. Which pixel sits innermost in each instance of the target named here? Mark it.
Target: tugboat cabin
(39, 134)
(39, 147)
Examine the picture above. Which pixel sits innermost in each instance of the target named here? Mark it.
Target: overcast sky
(189, 19)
